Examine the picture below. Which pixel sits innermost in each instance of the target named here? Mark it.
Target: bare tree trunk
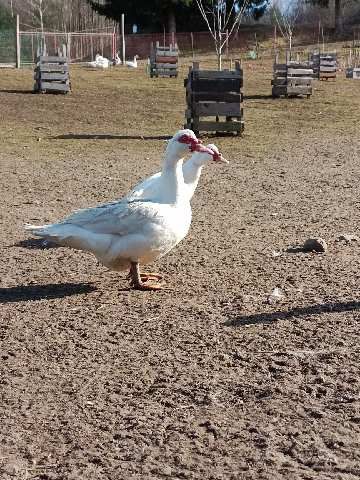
(338, 17)
(290, 45)
(219, 49)
(171, 22)
(41, 18)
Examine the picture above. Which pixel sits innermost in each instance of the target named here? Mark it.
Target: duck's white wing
(118, 218)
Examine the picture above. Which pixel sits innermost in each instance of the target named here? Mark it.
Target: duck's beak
(217, 157)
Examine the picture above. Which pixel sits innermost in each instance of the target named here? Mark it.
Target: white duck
(132, 64)
(99, 62)
(191, 171)
(117, 60)
(123, 234)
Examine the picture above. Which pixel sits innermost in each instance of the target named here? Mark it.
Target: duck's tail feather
(51, 231)
(63, 234)
(37, 230)
(69, 235)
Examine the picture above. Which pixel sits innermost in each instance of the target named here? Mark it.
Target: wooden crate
(292, 79)
(164, 60)
(324, 65)
(211, 93)
(51, 75)
(353, 72)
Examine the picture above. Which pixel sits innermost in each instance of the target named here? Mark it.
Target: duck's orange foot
(145, 277)
(147, 286)
(139, 280)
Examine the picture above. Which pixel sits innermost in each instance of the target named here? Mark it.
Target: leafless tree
(286, 19)
(222, 20)
(60, 15)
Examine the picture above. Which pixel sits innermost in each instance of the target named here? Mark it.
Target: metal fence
(83, 46)
(80, 47)
(8, 47)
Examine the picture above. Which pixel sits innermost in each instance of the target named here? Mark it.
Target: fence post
(113, 46)
(91, 47)
(69, 47)
(17, 41)
(123, 37)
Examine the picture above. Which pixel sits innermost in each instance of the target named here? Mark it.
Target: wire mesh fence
(83, 46)
(79, 47)
(8, 47)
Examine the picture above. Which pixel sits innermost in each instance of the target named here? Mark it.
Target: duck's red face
(203, 149)
(216, 155)
(190, 140)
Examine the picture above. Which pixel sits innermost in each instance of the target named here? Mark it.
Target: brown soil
(206, 379)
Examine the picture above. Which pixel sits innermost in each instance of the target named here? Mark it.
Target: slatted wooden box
(164, 60)
(324, 65)
(292, 79)
(51, 75)
(353, 72)
(214, 100)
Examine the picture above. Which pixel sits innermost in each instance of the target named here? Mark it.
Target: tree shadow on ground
(209, 135)
(17, 91)
(30, 293)
(105, 136)
(272, 317)
(259, 97)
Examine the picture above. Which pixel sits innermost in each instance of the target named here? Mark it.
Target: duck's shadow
(36, 244)
(271, 317)
(29, 293)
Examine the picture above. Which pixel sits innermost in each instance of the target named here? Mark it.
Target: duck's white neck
(192, 172)
(172, 176)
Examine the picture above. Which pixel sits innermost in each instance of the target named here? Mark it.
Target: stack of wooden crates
(293, 78)
(324, 65)
(211, 93)
(164, 60)
(51, 74)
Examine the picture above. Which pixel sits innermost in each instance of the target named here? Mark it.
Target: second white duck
(117, 60)
(99, 62)
(132, 64)
(192, 169)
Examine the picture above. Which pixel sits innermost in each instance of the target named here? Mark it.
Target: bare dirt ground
(205, 379)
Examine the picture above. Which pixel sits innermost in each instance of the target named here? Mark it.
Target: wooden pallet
(292, 79)
(164, 60)
(51, 75)
(324, 65)
(216, 94)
